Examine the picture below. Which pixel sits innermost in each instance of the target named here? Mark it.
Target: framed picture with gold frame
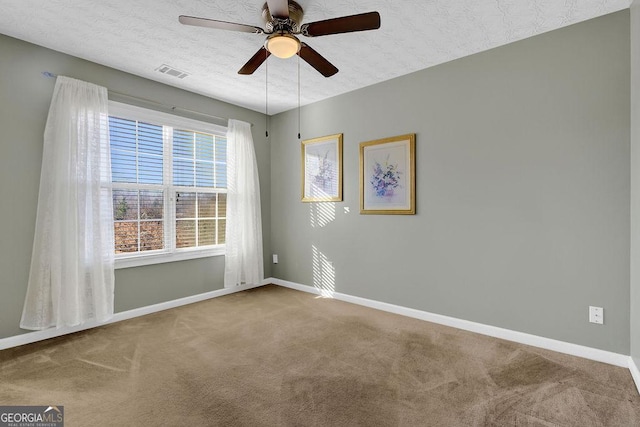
(322, 169)
(388, 176)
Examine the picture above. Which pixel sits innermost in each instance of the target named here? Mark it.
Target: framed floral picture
(387, 176)
(322, 169)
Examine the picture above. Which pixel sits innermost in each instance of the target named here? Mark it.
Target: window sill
(161, 258)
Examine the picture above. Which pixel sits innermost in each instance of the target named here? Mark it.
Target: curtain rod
(149, 101)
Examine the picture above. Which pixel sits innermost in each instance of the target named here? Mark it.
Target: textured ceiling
(137, 36)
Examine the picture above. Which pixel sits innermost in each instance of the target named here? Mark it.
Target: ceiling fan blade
(278, 8)
(255, 61)
(317, 61)
(345, 24)
(220, 25)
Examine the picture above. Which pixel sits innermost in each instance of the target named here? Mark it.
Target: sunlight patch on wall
(321, 214)
(324, 274)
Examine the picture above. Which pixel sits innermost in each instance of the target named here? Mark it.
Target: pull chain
(298, 96)
(266, 94)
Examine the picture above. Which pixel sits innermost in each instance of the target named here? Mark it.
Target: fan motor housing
(290, 24)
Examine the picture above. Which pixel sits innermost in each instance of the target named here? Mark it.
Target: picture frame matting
(388, 176)
(322, 169)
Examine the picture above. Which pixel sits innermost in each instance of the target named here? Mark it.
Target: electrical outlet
(275, 258)
(596, 315)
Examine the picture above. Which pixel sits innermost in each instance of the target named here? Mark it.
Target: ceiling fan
(282, 24)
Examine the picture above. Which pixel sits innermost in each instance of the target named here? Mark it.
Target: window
(169, 179)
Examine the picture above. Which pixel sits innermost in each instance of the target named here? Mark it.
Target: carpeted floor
(277, 357)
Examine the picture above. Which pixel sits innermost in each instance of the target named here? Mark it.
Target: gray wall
(24, 102)
(635, 181)
(522, 189)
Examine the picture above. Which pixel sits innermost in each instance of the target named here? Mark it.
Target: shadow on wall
(324, 274)
(321, 214)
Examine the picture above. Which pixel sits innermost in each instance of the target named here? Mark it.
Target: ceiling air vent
(168, 69)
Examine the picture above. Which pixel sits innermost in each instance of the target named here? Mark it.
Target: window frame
(170, 253)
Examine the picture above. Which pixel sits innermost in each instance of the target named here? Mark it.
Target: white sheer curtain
(71, 279)
(243, 257)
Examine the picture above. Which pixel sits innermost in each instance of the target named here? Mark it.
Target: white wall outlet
(596, 315)
(275, 258)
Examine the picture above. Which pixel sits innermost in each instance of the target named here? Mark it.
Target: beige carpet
(278, 357)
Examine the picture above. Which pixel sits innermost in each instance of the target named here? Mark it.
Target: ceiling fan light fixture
(283, 45)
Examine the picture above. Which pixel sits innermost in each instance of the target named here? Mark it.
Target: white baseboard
(635, 372)
(493, 331)
(31, 337)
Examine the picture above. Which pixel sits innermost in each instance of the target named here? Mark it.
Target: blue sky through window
(199, 159)
(136, 151)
